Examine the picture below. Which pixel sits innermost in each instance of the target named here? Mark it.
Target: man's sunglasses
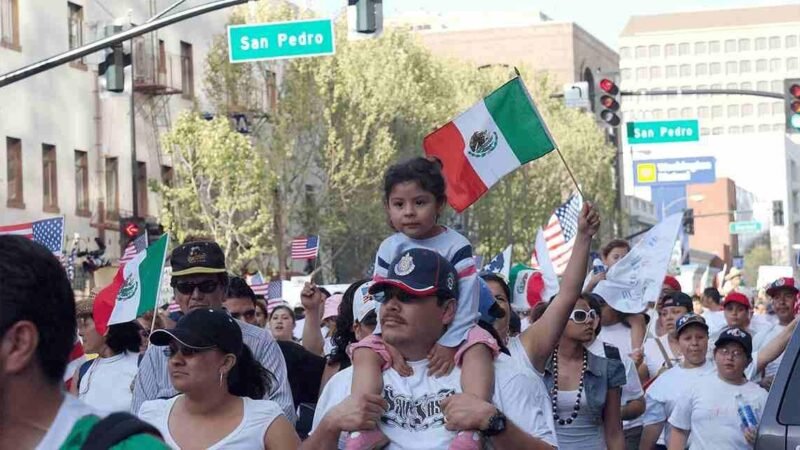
(581, 316)
(174, 348)
(206, 287)
(393, 292)
(249, 314)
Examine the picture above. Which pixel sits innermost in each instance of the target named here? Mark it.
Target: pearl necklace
(554, 391)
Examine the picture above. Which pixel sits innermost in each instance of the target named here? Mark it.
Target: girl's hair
(491, 330)
(287, 308)
(489, 276)
(248, 378)
(616, 243)
(344, 335)
(124, 337)
(424, 171)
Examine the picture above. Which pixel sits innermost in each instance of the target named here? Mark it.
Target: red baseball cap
(781, 283)
(737, 297)
(672, 282)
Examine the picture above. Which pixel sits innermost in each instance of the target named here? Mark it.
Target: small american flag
(134, 248)
(274, 303)
(48, 232)
(560, 231)
(306, 247)
(258, 284)
(275, 290)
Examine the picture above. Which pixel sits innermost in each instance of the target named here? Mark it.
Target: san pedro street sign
(662, 132)
(280, 40)
(744, 227)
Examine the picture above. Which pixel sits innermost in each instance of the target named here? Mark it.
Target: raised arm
(312, 300)
(541, 337)
(775, 347)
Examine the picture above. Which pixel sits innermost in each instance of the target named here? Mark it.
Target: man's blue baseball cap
(419, 272)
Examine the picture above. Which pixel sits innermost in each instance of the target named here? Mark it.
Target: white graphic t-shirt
(415, 420)
(69, 413)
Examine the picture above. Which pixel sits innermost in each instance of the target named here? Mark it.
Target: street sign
(280, 40)
(675, 171)
(576, 95)
(662, 132)
(745, 227)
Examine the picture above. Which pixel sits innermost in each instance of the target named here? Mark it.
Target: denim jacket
(601, 374)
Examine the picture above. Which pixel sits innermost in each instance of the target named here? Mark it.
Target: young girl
(414, 198)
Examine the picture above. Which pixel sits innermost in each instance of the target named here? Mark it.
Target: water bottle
(597, 265)
(746, 414)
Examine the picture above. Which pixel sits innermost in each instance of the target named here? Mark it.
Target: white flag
(500, 264)
(637, 278)
(545, 265)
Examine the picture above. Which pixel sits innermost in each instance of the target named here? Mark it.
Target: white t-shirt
(106, 386)
(762, 339)
(414, 419)
(257, 416)
(520, 356)
(298, 329)
(665, 392)
(760, 323)
(653, 357)
(709, 412)
(632, 389)
(715, 320)
(70, 411)
(617, 335)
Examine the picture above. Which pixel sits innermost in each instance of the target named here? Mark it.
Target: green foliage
(758, 256)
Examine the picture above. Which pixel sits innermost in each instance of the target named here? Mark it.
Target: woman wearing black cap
(218, 379)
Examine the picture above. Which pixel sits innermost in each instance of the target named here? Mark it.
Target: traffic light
(154, 232)
(130, 228)
(792, 101)
(688, 221)
(368, 15)
(606, 99)
(777, 213)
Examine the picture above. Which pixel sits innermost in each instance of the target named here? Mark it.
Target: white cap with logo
(363, 302)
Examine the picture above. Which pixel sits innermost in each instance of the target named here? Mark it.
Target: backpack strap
(82, 371)
(114, 429)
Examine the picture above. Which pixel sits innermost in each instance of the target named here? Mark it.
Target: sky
(605, 19)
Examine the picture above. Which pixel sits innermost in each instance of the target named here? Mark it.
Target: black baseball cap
(733, 334)
(197, 257)
(202, 329)
(677, 299)
(689, 319)
(419, 272)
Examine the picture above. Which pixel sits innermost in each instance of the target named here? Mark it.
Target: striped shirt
(153, 380)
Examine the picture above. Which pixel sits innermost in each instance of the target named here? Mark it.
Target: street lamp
(694, 197)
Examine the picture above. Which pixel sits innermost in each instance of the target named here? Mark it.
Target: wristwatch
(497, 424)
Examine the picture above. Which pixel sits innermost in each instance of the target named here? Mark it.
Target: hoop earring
(221, 375)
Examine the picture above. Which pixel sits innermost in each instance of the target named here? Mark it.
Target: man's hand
(466, 412)
(311, 298)
(441, 360)
(356, 413)
(589, 220)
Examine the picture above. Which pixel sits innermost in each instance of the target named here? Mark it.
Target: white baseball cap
(363, 302)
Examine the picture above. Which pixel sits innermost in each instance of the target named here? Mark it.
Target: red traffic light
(607, 85)
(131, 229)
(794, 90)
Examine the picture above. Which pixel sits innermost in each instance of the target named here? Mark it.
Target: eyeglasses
(206, 287)
(737, 354)
(175, 348)
(581, 316)
(249, 314)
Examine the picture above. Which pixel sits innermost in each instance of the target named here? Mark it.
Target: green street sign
(662, 132)
(280, 40)
(744, 227)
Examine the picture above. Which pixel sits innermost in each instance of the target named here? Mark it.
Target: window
(703, 86)
(672, 71)
(777, 108)
(744, 45)
(774, 42)
(141, 187)
(626, 74)
(791, 41)
(187, 70)
(716, 111)
(162, 57)
(731, 86)
(761, 44)
(672, 113)
(714, 68)
(683, 48)
(745, 66)
(686, 113)
(641, 73)
(701, 69)
(776, 86)
(167, 175)
(641, 51)
(763, 109)
(716, 86)
(733, 110)
(669, 50)
(748, 129)
(761, 65)
(112, 188)
(774, 65)
(713, 47)
(746, 85)
(81, 183)
(730, 45)
(793, 170)
(762, 86)
(75, 25)
(686, 70)
(763, 128)
(777, 127)
(702, 112)
(731, 67)
(734, 130)
(49, 178)
(747, 109)
(655, 51)
(655, 72)
(704, 131)
(625, 52)
(716, 131)
(791, 64)
(700, 48)
(9, 24)
(14, 173)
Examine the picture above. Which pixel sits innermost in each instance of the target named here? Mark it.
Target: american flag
(559, 233)
(76, 358)
(71, 261)
(258, 284)
(274, 303)
(275, 290)
(48, 232)
(306, 247)
(134, 248)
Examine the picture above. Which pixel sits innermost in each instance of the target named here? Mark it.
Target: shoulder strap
(611, 351)
(83, 369)
(667, 360)
(114, 429)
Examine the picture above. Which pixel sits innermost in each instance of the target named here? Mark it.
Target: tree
(759, 255)
(218, 188)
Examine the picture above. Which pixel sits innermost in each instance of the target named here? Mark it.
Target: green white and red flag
(134, 290)
(493, 138)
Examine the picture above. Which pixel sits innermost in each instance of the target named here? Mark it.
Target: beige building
(563, 49)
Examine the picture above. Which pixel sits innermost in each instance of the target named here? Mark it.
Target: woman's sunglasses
(206, 287)
(581, 316)
(175, 348)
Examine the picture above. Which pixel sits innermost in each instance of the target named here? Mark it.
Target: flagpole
(158, 291)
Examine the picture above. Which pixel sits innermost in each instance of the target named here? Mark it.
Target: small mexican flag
(488, 141)
(134, 290)
(527, 286)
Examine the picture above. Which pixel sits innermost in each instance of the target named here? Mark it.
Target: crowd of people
(428, 353)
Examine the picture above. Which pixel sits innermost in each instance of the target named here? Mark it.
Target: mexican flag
(527, 286)
(488, 141)
(134, 290)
